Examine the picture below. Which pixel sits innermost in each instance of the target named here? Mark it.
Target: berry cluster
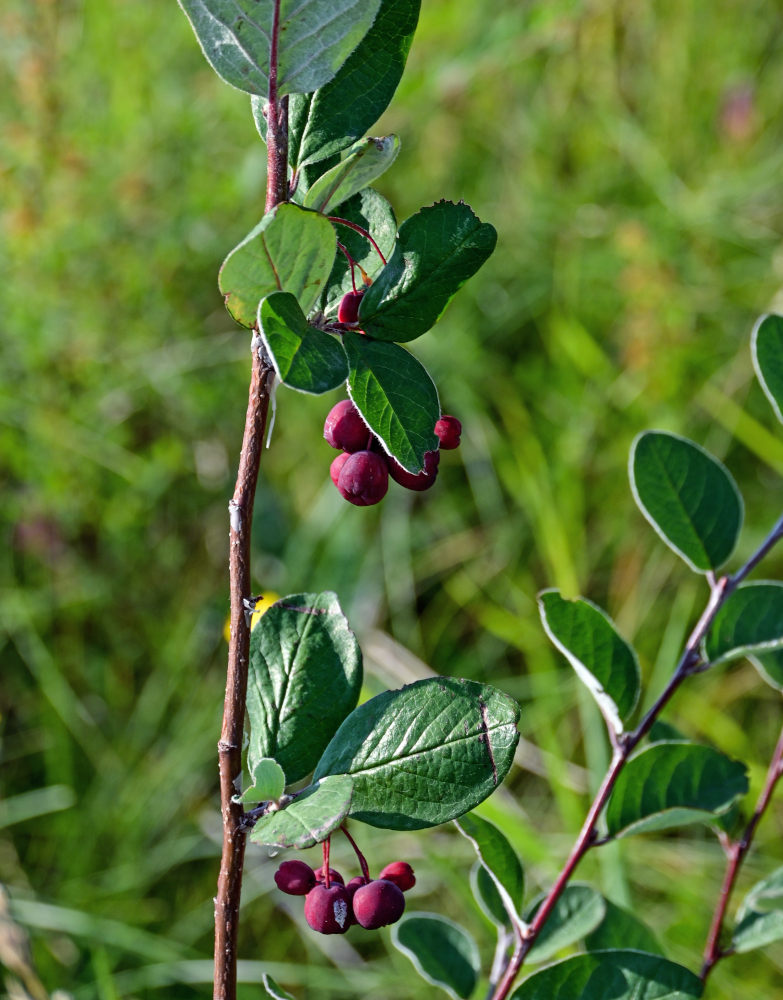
(331, 907)
(361, 473)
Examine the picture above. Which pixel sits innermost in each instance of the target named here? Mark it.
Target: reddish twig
(736, 852)
(359, 229)
(362, 860)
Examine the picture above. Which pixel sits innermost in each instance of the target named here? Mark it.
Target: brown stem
(229, 888)
(736, 855)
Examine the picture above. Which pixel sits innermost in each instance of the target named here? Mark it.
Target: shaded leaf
(611, 975)
(485, 892)
(267, 781)
(290, 250)
(372, 212)
(770, 668)
(367, 160)
(498, 857)
(304, 678)
(767, 350)
(760, 917)
(438, 249)
(622, 929)
(305, 358)
(579, 910)
(687, 496)
(426, 753)
(673, 784)
(603, 661)
(310, 818)
(443, 952)
(315, 38)
(749, 621)
(396, 397)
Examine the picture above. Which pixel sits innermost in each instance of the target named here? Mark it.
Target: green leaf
(611, 975)
(766, 345)
(323, 123)
(396, 397)
(315, 812)
(770, 668)
(367, 160)
(498, 857)
(578, 911)
(314, 39)
(275, 991)
(305, 358)
(622, 929)
(672, 784)
(443, 953)
(372, 212)
(760, 917)
(485, 892)
(290, 250)
(304, 679)
(426, 753)
(687, 496)
(749, 621)
(603, 661)
(438, 249)
(267, 781)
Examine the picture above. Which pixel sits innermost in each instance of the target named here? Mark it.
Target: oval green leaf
(766, 344)
(485, 892)
(314, 39)
(673, 784)
(310, 818)
(424, 754)
(438, 249)
(611, 975)
(749, 621)
(770, 668)
(267, 781)
(396, 397)
(498, 857)
(579, 910)
(687, 496)
(367, 160)
(291, 250)
(372, 212)
(442, 952)
(304, 678)
(305, 358)
(622, 929)
(603, 661)
(760, 917)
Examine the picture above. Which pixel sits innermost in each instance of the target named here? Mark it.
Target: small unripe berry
(344, 428)
(328, 910)
(448, 430)
(423, 480)
(377, 904)
(348, 310)
(401, 873)
(295, 877)
(334, 876)
(364, 479)
(337, 465)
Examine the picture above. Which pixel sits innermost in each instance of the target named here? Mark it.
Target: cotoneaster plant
(331, 288)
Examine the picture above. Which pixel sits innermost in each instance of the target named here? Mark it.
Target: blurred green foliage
(631, 158)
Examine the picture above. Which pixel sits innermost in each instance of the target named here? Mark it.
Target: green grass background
(631, 157)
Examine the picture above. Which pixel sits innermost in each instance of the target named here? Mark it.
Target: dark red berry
(377, 904)
(336, 467)
(401, 873)
(344, 428)
(364, 479)
(348, 310)
(295, 877)
(419, 482)
(448, 430)
(334, 876)
(328, 910)
(353, 885)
